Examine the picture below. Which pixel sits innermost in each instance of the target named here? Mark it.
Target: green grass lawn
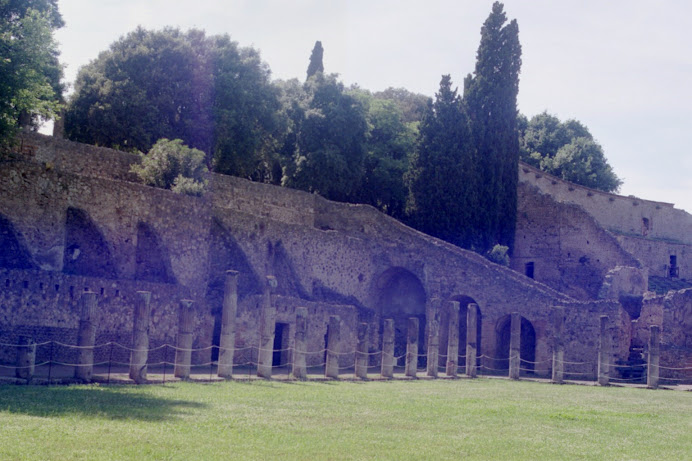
(441, 419)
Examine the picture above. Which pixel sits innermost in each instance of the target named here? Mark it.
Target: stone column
(265, 354)
(434, 338)
(412, 347)
(652, 370)
(604, 353)
(299, 367)
(183, 352)
(514, 346)
(331, 368)
(361, 367)
(453, 340)
(228, 315)
(471, 337)
(388, 349)
(558, 345)
(140, 338)
(86, 337)
(26, 359)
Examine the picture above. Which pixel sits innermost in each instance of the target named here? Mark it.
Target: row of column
(184, 340)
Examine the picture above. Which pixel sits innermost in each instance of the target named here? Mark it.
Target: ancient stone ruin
(89, 256)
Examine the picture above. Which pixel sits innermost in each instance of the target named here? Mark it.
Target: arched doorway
(400, 295)
(527, 346)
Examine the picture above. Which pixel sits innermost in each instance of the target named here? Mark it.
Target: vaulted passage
(401, 295)
(152, 261)
(13, 251)
(527, 348)
(86, 250)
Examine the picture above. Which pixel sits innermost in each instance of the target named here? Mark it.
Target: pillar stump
(26, 359)
(228, 315)
(361, 366)
(331, 368)
(603, 352)
(452, 365)
(514, 346)
(86, 337)
(434, 338)
(299, 368)
(558, 345)
(388, 349)
(265, 355)
(140, 338)
(183, 351)
(412, 347)
(652, 370)
(471, 336)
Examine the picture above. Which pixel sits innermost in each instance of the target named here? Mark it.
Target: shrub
(172, 165)
(499, 255)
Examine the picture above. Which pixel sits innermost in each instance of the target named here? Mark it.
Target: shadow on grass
(111, 402)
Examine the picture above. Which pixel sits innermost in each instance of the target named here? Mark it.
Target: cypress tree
(316, 60)
(441, 197)
(490, 99)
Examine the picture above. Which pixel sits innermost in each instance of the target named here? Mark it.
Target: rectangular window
(528, 269)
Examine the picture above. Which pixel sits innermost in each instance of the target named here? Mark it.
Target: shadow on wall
(153, 264)
(86, 250)
(13, 250)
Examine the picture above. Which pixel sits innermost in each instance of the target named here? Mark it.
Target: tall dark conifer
(316, 60)
(490, 98)
(441, 200)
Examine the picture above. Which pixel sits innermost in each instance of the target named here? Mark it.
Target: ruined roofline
(528, 169)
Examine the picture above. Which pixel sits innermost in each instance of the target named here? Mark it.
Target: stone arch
(13, 251)
(153, 264)
(527, 345)
(400, 294)
(86, 250)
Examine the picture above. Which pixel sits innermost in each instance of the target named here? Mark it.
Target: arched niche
(153, 264)
(13, 251)
(86, 250)
(527, 345)
(400, 295)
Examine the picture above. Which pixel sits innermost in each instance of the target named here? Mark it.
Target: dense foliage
(172, 165)
(490, 97)
(207, 91)
(448, 167)
(566, 150)
(30, 88)
(463, 177)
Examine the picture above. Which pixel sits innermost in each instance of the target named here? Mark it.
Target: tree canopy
(567, 150)
(207, 91)
(490, 99)
(316, 64)
(30, 88)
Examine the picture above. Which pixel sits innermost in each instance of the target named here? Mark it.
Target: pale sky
(621, 67)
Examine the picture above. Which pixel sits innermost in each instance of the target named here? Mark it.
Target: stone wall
(564, 246)
(331, 257)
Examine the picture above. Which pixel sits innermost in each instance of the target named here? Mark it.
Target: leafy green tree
(389, 144)
(490, 98)
(548, 144)
(329, 130)
(207, 91)
(412, 105)
(30, 88)
(316, 65)
(172, 165)
(442, 200)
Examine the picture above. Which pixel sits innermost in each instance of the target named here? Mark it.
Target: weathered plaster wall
(569, 250)
(331, 257)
